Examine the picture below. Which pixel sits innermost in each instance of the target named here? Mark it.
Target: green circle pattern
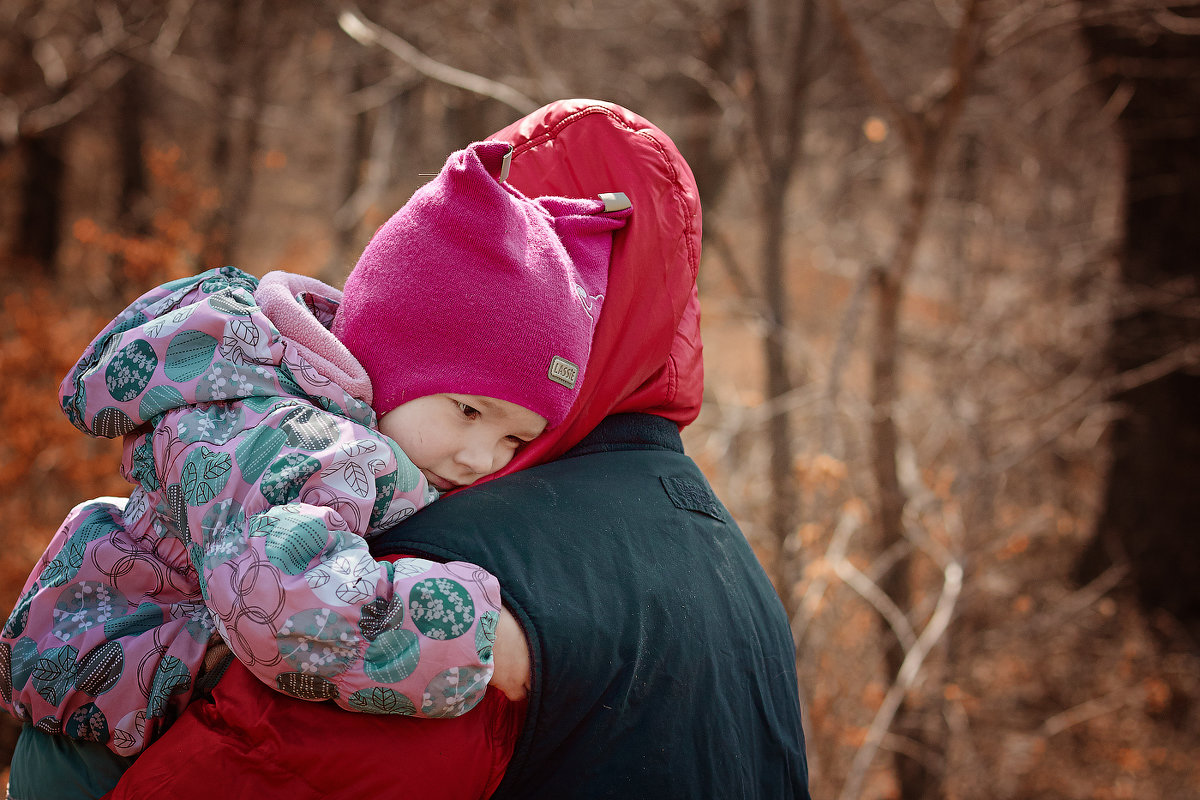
(393, 656)
(318, 642)
(188, 354)
(87, 724)
(283, 480)
(130, 371)
(441, 608)
(293, 540)
(454, 692)
(159, 399)
(84, 605)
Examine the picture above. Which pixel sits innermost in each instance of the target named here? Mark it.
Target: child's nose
(477, 457)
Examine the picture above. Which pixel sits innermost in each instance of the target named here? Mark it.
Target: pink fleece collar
(276, 296)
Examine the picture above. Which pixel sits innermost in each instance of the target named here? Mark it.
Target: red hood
(646, 355)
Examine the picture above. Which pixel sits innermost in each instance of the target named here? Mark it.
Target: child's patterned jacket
(257, 477)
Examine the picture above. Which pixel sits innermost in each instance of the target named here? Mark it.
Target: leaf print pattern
(345, 579)
(143, 468)
(229, 380)
(241, 335)
(222, 531)
(215, 424)
(168, 323)
(198, 620)
(382, 700)
(485, 635)
(385, 486)
(411, 567)
(54, 673)
(68, 561)
(171, 677)
(205, 474)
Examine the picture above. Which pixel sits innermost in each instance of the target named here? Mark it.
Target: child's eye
(468, 411)
(516, 441)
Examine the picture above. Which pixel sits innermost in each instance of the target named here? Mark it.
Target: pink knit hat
(473, 288)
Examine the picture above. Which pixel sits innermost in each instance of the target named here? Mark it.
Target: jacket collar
(629, 432)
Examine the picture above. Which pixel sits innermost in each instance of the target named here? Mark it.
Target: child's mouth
(438, 482)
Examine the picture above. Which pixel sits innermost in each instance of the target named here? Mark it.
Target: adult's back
(662, 661)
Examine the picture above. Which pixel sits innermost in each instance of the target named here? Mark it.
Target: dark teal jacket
(663, 665)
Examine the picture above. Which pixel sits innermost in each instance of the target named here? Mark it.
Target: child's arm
(511, 657)
(275, 518)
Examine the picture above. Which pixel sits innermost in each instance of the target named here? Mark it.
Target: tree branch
(365, 32)
(848, 523)
(870, 591)
(909, 126)
(70, 105)
(383, 139)
(910, 668)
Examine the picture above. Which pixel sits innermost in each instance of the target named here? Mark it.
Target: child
(248, 412)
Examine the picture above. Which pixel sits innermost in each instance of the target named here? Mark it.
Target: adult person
(661, 660)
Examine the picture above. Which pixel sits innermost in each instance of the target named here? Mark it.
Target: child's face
(456, 439)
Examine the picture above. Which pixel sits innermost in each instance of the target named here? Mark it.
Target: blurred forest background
(952, 319)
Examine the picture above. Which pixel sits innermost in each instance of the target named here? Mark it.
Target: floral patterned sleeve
(274, 500)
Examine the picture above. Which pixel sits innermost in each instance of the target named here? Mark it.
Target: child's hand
(510, 654)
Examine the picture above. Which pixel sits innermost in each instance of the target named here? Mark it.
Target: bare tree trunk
(357, 149)
(889, 285)
(924, 135)
(39, 232)
(777, 38)
(131, 110)
(785, 496)
(1153, 497)
(244, 84)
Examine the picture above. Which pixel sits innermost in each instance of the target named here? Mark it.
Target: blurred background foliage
(949, 287)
